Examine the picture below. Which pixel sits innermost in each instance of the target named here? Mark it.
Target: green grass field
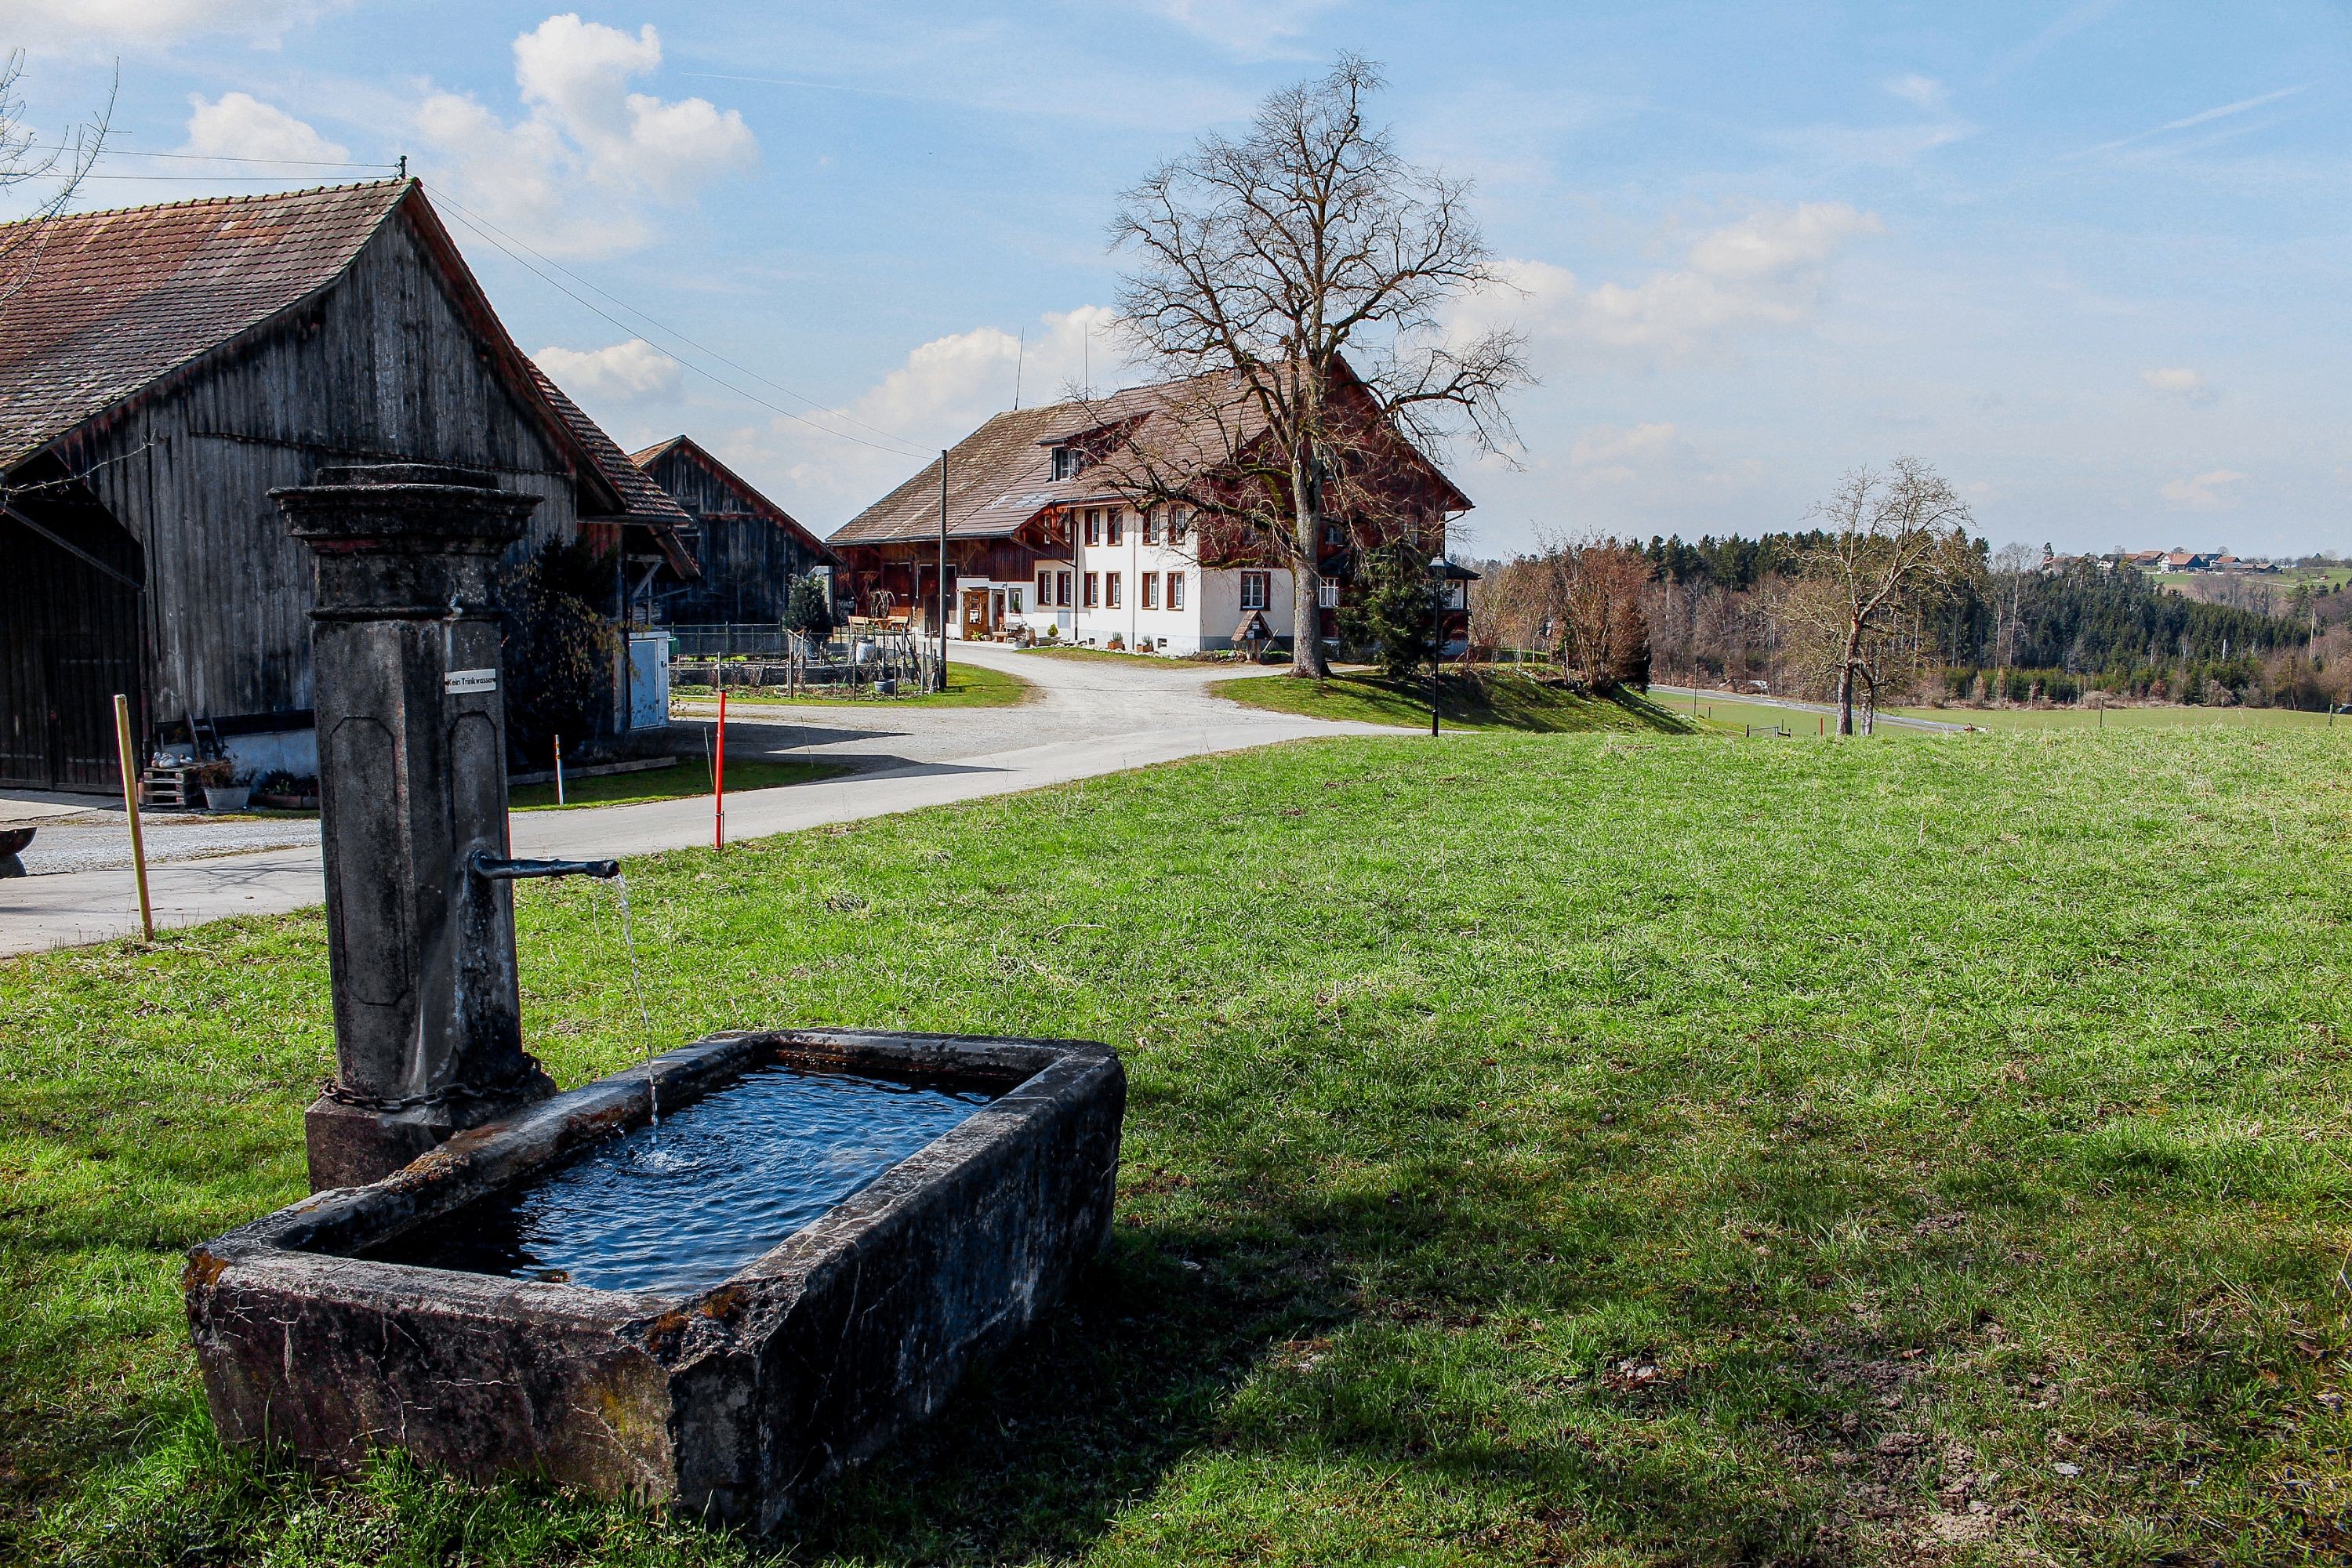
(691, 776)
(2160, 719)
(1592, 1149)
(1499, 702)
(1165, 662)
(969, 685)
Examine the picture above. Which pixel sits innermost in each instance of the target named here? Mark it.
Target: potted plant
(221, 792)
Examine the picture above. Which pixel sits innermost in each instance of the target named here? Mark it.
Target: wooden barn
(161, 370)
(747, 548)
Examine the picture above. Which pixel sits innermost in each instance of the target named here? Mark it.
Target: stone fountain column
(412, 784)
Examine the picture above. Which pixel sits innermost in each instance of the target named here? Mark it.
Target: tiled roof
(1000, 474)
(643, 501)
(109, 301)
(686, 446)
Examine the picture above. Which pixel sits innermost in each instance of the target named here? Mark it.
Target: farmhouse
(748, 549)
(1045, 535)
(161, 370)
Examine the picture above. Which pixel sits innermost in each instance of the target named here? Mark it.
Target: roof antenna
(404, 165)
(1019, 354)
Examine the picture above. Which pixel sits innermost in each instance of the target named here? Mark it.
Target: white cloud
(575, 173)
(1921, 92)
(2179, 382)
(150, 23)
(625, 370)
(1245, 26)
(238, 125)
(1768, 270)
(943, 391)
(2213, 491)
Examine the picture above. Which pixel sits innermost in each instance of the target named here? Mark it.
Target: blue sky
(2088, 258)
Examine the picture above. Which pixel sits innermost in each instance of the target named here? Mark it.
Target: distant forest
(2007, 631)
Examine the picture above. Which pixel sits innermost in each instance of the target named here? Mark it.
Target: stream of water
(637, 990)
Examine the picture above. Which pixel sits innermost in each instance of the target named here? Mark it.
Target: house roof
(1001, 474)
(693, 451)
(114, 300)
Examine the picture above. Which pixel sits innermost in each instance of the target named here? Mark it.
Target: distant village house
(1046, 536)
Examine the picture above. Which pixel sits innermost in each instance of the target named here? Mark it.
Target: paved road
(1090, 717)
(1894, 721)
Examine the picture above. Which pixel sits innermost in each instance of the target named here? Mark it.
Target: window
(1062, 589)
(1114, 525)
(1151, 590)
(1094, 589)
(1012, 601)
(1327, 595)
(1175, 590)
(1045, 586)
(1067, 462)
(1150, 525)
(1334, 536)
(1178, 520)
(1093, 527)
(1110, 590)
(1254, 586)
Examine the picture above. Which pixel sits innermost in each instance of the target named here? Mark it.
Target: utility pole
(943, 569)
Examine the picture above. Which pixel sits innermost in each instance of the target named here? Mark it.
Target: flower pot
(226, 797)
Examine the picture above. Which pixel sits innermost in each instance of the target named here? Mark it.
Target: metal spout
(491, 868)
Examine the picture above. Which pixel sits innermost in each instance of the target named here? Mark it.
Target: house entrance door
(975, 613)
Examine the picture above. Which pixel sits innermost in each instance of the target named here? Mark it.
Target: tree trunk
(1306, 659)
(1845, 683)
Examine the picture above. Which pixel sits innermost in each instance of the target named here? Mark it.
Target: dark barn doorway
(68, 641)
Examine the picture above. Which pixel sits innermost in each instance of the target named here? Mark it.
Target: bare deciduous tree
(1294, 278)
(1893, 540)
(28, 166)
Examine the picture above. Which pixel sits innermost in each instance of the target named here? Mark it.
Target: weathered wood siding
(748, 562)
(382, 366)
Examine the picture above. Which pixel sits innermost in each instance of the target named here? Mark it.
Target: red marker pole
(719, 780)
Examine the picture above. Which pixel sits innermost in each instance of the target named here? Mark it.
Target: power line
(466, 218)
(218, 158)
(663, 327)
(246, 179)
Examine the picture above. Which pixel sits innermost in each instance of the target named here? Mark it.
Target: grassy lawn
(969, 685)
(1499, 702)
(1729, 713)
(691, 776)
(1117, 655)
(2171, 719)
(1595, 1149)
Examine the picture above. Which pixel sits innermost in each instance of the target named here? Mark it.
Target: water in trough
(678, 1208)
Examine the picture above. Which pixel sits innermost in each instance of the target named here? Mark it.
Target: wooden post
(130, 805)
(943, 569)
(559, 770)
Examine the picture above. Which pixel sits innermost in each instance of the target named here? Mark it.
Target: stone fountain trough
(704, 1283)
(724, 1401)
